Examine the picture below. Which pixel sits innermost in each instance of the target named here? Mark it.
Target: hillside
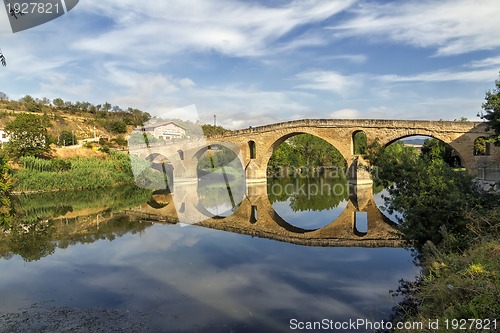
(82, 119)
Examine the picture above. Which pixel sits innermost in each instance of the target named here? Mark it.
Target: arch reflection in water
(255, 216)
(309, 202)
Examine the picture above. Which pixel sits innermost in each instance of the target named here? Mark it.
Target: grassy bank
(458, 286)
(73, 173)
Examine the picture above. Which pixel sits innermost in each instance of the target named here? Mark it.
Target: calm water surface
(114, 270)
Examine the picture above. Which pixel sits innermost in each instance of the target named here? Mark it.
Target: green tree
(492, 108)
(480, 146)
(428, 193)
(210, 130)
(106, 106)
(437, 149)
(360, 143)
(58, 102)
(6, 183)
(117, 126)
(67, 138)
(140, 138)
(305, 150)
(28, 136)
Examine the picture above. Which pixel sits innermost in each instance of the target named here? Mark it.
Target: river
(97, 261)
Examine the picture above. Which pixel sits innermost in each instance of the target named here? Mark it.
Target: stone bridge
(254, 146)
(255, 216)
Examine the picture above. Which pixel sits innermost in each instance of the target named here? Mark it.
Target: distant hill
(415, 140)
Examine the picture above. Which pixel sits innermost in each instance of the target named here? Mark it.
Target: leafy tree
(480, 146)
(58, 102)
(209, 130)
(437, 149)
(3, 96)
(66, 138)
(140, 138)
(28, 136)
(6, 183)
(106, 106)
(492, 108)
(28, 99)
(360, 143)
(117, 126)
(305, 150)
(428, 193)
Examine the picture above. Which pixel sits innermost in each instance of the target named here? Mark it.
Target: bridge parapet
(254, 146)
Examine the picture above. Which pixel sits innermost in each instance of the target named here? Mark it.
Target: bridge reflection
(255, 216)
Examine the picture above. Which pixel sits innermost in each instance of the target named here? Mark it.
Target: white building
(166, 131)
(3, 136)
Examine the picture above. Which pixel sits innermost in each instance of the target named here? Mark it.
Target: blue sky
(259, 62)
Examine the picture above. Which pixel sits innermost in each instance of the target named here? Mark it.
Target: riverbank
(458, 286)
(36, 175)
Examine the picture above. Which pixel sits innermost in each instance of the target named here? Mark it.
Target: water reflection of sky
(207, 280)
(380, 202)
(308, 219)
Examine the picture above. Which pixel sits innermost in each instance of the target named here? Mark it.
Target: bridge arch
(252, 149)
(278, 141)
(359, 142)
(231, 146)
(162, 164)
(461, 154)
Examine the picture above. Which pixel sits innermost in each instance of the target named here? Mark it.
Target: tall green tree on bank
(6, 183)
(431, 197)
(492, 108)
(28, 136)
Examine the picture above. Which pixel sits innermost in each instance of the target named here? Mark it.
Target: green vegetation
(438, 150)
(75, 173)
(81, 119)
(209, 130)
(360, 144)
(305, 151)
(28, 136)
(453, 229)
(492, 108)
(140, 138)
(308, 193)
(6, 183)
(480, 146)
(67, 138)
(220, 159)
(30, 208)
(429, 194)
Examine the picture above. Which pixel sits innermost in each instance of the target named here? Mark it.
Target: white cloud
(443, 76)
(450, 26)
(329, 81)
(488, 62)
(229, 27)
(345, 114)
